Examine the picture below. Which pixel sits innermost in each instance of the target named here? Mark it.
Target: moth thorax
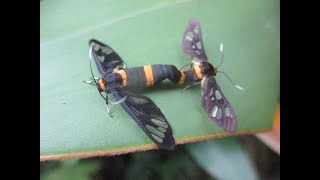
(207, 68)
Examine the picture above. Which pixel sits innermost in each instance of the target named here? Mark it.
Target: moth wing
(192, 42)
(148, 116)
(104, 56)
(216, 105)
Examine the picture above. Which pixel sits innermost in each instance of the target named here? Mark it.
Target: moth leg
(94, 78)
(193, 84)
(92, 81)
(191, 65)
(107, 103)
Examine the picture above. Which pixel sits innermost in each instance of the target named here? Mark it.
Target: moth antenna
(89, 82)
(237, 86)
(221, 55)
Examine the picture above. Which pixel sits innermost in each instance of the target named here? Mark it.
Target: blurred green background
(243, 158)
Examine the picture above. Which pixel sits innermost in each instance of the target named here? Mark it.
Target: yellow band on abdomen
(149, 76)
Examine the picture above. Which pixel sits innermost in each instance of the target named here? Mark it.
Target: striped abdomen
(152, 74)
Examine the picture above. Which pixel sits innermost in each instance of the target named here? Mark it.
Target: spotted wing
(148, 116)
(192, 42)
(104, 56)
(216, 105)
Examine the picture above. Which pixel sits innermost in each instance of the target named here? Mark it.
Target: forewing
(192, 42)
(148, 116)
(104, 56)
(216, 105)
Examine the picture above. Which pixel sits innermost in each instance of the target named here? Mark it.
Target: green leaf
(223, 159)
(73, 117)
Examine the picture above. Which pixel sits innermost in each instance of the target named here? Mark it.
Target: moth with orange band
(115, 81)
(212, 98)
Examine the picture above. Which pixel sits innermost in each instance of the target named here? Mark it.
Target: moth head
(207, 69)
(109, 80)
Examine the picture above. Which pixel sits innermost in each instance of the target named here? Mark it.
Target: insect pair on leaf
(115, 80)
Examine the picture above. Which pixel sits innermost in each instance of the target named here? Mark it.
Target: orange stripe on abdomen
(182, 78)
(149, 75)
(123, 77)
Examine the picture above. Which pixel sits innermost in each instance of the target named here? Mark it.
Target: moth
(212, 99)
(116, 79)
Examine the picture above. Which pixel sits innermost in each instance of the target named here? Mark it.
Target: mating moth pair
(115, 80)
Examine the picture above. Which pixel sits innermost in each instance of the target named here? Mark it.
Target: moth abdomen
(161, 72)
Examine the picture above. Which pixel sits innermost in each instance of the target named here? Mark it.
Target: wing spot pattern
(96, 47)
(107, 50)
(162, 129)
(218, 95)
(157, 117)
(214, 111)
(227, 112)
(157, 138)
(101, 58)
(189, 36)
(198, 44)
(196, 30)
(219, 114)
(160, 123)
(154, 131)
